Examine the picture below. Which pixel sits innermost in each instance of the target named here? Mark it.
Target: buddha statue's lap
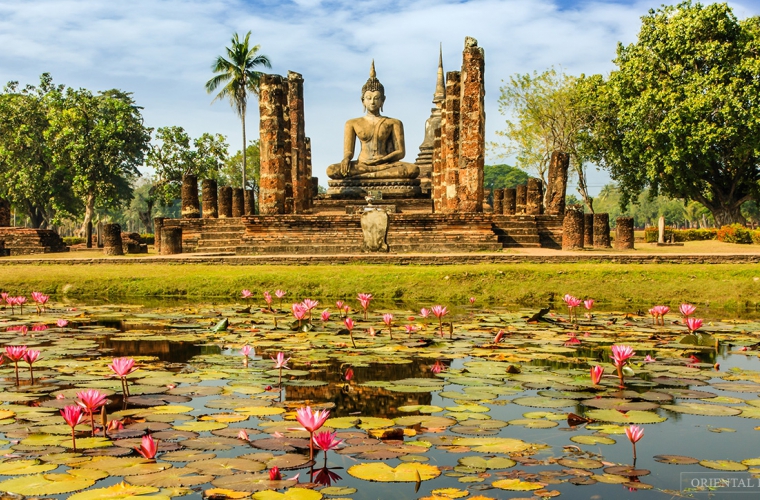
(395, 170)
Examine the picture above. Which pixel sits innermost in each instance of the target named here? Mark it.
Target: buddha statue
(382, 142)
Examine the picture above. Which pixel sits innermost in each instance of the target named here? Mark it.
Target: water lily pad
(487, 463)
(517, 485)
(631, 417)
(125, 466)
(703, 409)
(405, 472)
(450, 493)
(171, 478)
(24, 467)
(46, 484)
(724, 465)
(544, 402)
(290, 494)
(580, 463)
(675, 459)
(225, 466)
(592, 440)
(492, 445)
(120, 491)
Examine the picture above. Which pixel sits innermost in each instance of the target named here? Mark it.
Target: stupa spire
(440, 86)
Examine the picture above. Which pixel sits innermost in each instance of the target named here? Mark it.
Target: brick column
(572, 229)
(624, 233)
(556, 185)
(602, 231)
(191, 208)
(158, 223)
(534, 202)
(112, 239)
(210, 202)
(299, 179)
(310, 192)
(450, 144)
(171, 241)
(521, 198)
(249, 202)
(510, 201)
(588, 230)
(437, 172)
(472, 127)
(274, 139)
(225, 202)
(238, 203)
(498, 201)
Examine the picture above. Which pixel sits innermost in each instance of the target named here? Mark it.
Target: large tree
(175, 154)
(29, 176)
(101, 140)
(546, 115)
(235, 77)
(680, 114)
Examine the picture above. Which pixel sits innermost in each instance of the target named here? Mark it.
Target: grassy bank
(724, 285)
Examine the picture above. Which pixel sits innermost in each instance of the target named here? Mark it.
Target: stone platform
(28, 241)
(342, 234)
(357, 189)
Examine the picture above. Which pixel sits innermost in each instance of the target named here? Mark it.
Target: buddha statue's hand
(345, 166)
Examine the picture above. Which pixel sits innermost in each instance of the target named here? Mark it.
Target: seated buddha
(382, 141)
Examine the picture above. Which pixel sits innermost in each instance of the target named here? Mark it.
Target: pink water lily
(91, 400)
(588, 304)
(148, 447)
(349, 375)
(15, 353)
(388, 320)
(410, 329)
(620, 356)
(280, 294)
(72, 414)
(246, 294)
(472, 300)
(649, 359)
(572, 303)
(634, 433)
(596, 374)
(364, 300)
(499, 336)
(439, 312)
(350, 325)
(437, 367)
(279, 363)
(424, 313)
(326, 441)
(245, 350)
(325, 315)
(243, 435)
(693, 324)
(40, 299)
(62, 323)
(30, 356)
(687, 309)
(309, 305)
(311, 422)
(371, 331)
(299, 312)
(123, 367)
(274, 474)
(268, 300)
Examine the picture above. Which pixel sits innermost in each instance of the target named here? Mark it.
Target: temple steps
(27, 241)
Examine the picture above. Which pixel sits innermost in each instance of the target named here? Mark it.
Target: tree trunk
(242, 119)
(89, 211)
(727, 215)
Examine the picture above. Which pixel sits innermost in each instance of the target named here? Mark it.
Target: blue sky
(162, 50)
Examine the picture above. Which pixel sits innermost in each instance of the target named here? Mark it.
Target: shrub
(756, 237)
(680, 235)
(148, 238)
(735, 233)
(73, 240)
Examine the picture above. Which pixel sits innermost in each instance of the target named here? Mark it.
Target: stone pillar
(437, 172)
(274, 139)
(158, 223)
(249, 202)
(210, 202)
(572, 229)
(588, 230)
(498, 201)
(521, 198)
(112, 239)
(510, 201)
(450, 144)
(602, 231)
(557, 183)
(99, 238)
(171, 241)
(624, 233)
(88, 234)
(661, 230)
(238, 203)
(534, 201)
(191, 208)
(311, 192)
(5, 213)
(299, 179)
(472, 129)
(225, 202)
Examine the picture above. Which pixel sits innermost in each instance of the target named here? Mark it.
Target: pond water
(492, 423)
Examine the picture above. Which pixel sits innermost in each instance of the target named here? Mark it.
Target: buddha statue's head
(373, 93)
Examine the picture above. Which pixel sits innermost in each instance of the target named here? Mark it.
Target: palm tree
(236, 77)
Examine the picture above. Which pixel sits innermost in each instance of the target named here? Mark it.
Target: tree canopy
(503, 176)
(680, 114)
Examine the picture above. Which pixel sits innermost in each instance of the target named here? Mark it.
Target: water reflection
(165, 350)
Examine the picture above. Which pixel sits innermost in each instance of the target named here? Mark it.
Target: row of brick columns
(287, 185)
(223, 202)
(581, 230)
(525, 199)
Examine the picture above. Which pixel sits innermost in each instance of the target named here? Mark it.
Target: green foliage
(548, 117)
(503, 176)
(679, 114)
(652, 233)
(230, 173)
(235, 77)
(73, 240)
(734, 233)
(175, 155)
(646, 209)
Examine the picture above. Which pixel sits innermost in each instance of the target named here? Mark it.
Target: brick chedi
(432, 130)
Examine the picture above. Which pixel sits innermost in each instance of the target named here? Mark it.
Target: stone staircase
(27, 241)
(220, 236)
(517, 231)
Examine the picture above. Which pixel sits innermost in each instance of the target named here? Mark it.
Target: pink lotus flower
(437, 367)
(268, 299)
(148, 447)
(350, 325)
(281, 362)
(90, 400)
(596, 374)
(299, 312)
(371, 331)
(339, 305)
(572, 302)
(41, 299)
(649, 359)
(388, 320)
(246, 294)
(499, 336)
(62, 323)
(311, 422)
(410, 329)
(325, 315)
(274, 474)
(309, 304)
(243, 435)
(72, 414)
(621, 354)
(424, 313)
(472, 300)
(245, 350)
(30, 356)
(15, 353)
(279, 294)
(634, 433)
(588, 304)
(693, 324)
(123, 367)
(326, 441)
(439, 312)
(687, 309)
(348, 375)
(364, 300)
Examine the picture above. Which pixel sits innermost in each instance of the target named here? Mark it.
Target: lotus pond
(421, 415)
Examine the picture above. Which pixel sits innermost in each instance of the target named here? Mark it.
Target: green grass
(725, 285)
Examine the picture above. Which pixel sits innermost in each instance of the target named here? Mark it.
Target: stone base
(357, 189)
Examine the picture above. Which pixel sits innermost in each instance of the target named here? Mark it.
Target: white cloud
(162, 51)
